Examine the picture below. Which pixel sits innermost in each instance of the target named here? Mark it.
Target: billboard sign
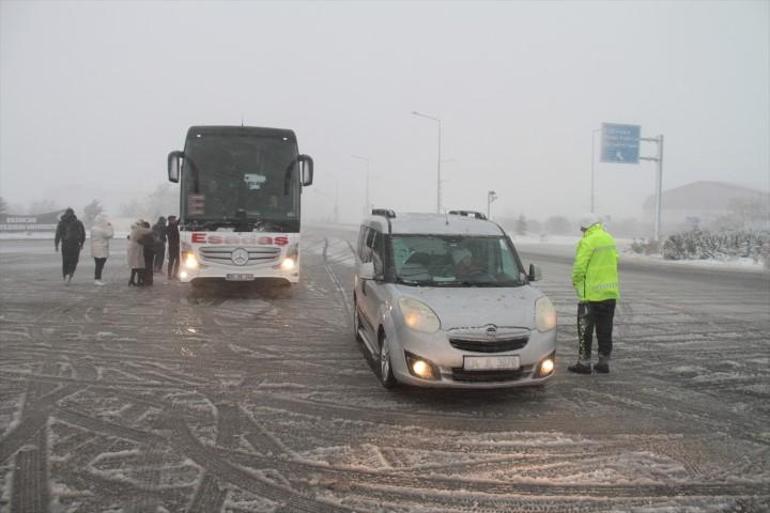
(620, 143)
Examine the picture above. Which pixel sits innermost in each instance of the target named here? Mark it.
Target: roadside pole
(658, 182)
(491, 196)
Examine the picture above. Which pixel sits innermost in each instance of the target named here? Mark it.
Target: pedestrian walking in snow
(71, 233)
(172, 235)
(101, 233)
(159, 233)
(595, 278)
(135, 252)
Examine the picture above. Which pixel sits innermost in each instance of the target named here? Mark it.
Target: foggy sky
(94, 95)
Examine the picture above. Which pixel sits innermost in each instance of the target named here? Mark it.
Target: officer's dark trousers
(70, 252)
(595, 315)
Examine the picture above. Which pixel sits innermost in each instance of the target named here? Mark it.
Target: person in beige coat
(101, 233)
(135, 252)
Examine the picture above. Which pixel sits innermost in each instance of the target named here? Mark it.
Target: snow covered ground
(234, 399)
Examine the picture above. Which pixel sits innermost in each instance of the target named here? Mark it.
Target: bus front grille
(224, 255)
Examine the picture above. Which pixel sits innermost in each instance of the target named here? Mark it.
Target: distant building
(28, 223)
(700, 203)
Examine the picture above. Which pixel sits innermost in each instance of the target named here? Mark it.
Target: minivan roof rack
(385, 212)
(467, 213)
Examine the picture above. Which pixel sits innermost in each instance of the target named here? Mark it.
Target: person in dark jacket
(71, 233)
(172, 235)
(159, 233)
(148, 243)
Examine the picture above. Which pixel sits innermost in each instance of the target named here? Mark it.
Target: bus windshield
(241, 179)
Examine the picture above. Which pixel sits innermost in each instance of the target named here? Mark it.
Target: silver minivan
(444, 301)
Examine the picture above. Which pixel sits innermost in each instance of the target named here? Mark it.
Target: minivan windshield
(455, 261)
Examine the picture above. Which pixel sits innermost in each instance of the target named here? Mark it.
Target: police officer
(595, 278)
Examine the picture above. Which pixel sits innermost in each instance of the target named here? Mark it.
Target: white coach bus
(240, 195)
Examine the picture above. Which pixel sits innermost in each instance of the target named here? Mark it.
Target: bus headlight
(190, 262)
(289, 263)
(418, 315)
(545, 314)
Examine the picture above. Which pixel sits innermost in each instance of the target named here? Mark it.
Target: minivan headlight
(419, 316)
(545, 314)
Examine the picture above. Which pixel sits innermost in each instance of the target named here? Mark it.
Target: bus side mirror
(174, 166)
(306, 169)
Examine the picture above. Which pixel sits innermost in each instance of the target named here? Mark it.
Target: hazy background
(93, 95)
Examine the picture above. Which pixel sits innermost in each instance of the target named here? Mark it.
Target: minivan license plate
(491, 363)
(239, 277)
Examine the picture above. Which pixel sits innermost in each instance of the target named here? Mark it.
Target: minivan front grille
(489, 346)
(490, 376)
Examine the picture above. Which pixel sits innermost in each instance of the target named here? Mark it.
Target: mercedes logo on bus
(240, 256)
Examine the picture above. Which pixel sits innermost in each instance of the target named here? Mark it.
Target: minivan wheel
(386, 370)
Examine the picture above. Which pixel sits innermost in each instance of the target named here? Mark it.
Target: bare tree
(558, 225)
(521, 225)
(43, 207)
(90, 212)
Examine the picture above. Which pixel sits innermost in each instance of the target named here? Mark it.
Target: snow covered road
(236, 399)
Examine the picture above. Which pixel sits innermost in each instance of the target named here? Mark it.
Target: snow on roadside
(565, 245)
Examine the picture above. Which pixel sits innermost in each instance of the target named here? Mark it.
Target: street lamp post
(367, 205)
(593, 164)
(491, 196)
(438, 160)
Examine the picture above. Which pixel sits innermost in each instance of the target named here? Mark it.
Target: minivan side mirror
(306, 169)
(175, 166)
(535, 274)
(366, 270)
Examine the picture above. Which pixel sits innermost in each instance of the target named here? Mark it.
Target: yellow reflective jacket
(595, 271)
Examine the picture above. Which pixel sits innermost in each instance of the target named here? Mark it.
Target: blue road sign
(620, 143)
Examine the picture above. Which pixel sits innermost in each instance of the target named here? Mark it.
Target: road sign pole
(658, 183)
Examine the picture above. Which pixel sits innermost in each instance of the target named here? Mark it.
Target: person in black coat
(71, 233)
(172, 235)
(148, 244)
(159, 233)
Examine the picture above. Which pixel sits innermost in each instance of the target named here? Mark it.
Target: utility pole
(593, 165)
(438, 160)
(491, 196)
(336, 202)
(367, 205)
